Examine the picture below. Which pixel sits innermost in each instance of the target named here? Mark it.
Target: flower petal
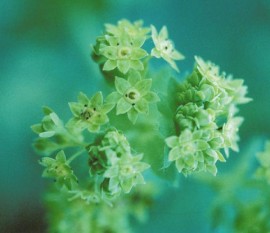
(121, 85)
(122, 106)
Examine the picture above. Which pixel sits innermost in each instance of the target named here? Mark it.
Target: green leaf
(47, 161)
(121, 85)
(122, 106)
(142, 106)
(123, 65)
(151, 97)
(110, 65)
(144, 86)
(132, 115)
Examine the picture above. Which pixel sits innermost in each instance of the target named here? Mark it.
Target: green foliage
(167, 121)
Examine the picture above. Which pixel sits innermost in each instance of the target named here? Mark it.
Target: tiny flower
(124, 26)
(164, 47)
(133, 96)
(195, 151)
(230, 133)
(125, 173)
(124, 53)
(59, 170)
(113, 161)
(89, 113)
(50, 125)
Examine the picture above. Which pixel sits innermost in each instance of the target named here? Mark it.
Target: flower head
(133, 95)
(123, 52)
(50, 124)
(59, 170)
(89, 113)
(124, 26)
(164, 47)
(112, 159)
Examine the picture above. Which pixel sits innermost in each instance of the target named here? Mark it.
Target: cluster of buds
(207, 104)
(112, 161)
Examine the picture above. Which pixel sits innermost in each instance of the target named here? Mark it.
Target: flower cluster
(207, 104)
(121, 46)
(59, 170)
(264, 159)
(113, 161)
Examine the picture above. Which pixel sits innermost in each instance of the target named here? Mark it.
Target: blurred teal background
(45, 60)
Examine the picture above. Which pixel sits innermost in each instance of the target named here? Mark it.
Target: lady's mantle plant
(98, 159)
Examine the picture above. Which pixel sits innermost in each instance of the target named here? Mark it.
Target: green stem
(75, 156)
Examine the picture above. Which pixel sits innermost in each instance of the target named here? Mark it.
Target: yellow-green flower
(133, 95)
(124, 53)
(89, 113)
(164, 47)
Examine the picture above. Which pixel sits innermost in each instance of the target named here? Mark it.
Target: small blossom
(195, 151)
(112, 159)
(124, 53)
(164, 47)
(59, 170)
(89, 113)
(50, 125)
(124, 26)
(133, 96)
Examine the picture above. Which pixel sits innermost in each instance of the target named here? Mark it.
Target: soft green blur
(45, 60)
